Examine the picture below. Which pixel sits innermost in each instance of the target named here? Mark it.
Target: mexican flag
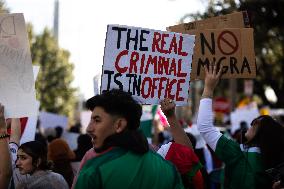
(149, 112)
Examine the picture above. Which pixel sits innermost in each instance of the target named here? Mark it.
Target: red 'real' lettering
(156, 40)
(180, 47)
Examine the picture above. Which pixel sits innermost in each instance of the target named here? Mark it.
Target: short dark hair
(119, 103)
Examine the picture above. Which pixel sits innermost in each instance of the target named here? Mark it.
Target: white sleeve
(205, 123)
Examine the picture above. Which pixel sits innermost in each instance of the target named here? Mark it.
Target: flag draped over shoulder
(146, 122)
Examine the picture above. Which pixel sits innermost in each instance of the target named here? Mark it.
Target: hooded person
(123, 157)
(61, 155)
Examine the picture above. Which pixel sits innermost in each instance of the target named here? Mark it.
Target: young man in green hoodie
(123, 157)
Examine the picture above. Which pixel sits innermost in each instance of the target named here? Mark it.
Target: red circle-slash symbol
(230, 40)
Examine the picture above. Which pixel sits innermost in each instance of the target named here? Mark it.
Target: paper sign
(35, 71)
(234, 20)
(244, 114)
(71, 139)
(52, 120)
(233, 48)
(85, 118)
(17, 91)
(149, 64)
(30, 130)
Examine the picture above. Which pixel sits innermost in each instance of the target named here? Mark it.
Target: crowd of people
(121, 157)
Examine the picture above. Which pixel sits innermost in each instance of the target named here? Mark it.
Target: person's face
(251, 132)
(24, 162)
(101, 126)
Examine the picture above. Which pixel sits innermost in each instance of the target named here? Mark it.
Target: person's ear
(38, 162)
(120, 125)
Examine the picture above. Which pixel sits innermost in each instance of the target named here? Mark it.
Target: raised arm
(15, 131)
(205, 114)
(5, 159)
(178, 133)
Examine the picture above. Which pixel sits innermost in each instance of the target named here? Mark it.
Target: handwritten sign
(233, 48)
(233, 20)
(149, 64)
(225, 40)
(16, 73)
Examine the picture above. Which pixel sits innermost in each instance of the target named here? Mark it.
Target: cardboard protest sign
(233, 20)
(222, 39)
(233, 48)
(149, 64)
(16, 73)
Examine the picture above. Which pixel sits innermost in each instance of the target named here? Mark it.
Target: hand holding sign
(168, 107)
(212, 76)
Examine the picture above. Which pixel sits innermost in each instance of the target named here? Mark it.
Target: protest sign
(35, 71)
(233, 48)
(149, 64)
(222, 40)
(245, 114)
(29, 127)
(71, 139)
(85, 117)
(51, 120)
(233, 20)
(16, 73)
(30, 130)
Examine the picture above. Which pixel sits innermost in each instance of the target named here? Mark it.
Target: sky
(83, 25)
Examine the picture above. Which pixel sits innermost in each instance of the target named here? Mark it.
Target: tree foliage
(53, 83)
(267, 20)
(3, 8)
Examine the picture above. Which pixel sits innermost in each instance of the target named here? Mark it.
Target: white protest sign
(244, 114)
(17, 91)
(200, 142)
(149, 64)
(52, 120)
(85, 118)
(35, 71)
(71, 139)
(30, 128)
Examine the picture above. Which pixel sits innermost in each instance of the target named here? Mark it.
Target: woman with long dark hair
(245, 164)
(32, 160)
